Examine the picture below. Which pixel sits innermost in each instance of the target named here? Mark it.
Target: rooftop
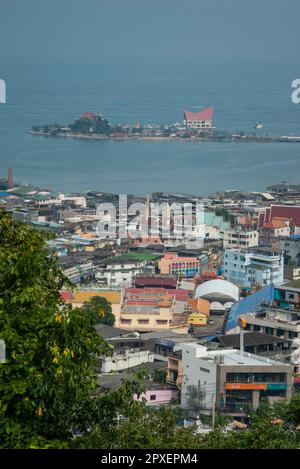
(250, 339)
(132, 257)
(204, 115)
(237, 357)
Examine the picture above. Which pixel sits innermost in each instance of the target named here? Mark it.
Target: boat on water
(259, 125)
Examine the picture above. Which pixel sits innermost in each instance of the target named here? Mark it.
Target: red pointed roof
(204, 115)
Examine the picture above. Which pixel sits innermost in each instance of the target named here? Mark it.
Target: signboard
(247, 386)
(276, 386)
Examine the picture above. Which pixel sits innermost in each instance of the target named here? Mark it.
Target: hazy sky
(147, 30)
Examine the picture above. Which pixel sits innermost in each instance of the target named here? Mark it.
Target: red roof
(155, 282)
(280, 211)
(205, 115)
(88, 115)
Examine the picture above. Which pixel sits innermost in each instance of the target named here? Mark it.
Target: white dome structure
(218, 290)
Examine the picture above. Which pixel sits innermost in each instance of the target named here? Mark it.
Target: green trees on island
(96, 125)
(49, 397)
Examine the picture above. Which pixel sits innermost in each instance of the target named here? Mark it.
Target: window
(161, 321)
(152, 397)
(205, 370)
(143, 321)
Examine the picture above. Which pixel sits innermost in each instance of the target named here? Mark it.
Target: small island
(196, 127)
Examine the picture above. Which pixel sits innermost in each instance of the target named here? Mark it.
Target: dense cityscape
(149, 231)
(212, 317)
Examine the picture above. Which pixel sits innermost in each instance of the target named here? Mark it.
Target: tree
(227, 216)
(47, 382)
(101, 309)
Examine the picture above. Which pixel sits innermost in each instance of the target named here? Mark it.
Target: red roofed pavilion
(199, 120)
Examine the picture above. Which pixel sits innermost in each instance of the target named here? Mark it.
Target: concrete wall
(128, 360)
(197, 372)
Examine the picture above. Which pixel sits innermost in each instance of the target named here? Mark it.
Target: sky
(65, 31)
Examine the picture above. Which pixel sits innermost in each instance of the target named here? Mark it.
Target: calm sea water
(242, 95)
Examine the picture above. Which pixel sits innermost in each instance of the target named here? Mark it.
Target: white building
(116, 273)
(124, 359)
(256, 267)
(239, 238)
(220, 294)
(230, 379)
(199, 120)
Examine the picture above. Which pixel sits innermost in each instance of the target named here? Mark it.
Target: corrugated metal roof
(248, 305)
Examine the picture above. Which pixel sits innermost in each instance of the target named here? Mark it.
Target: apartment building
(231, 380)
(254, 267)
(239, 238)
(183, 266)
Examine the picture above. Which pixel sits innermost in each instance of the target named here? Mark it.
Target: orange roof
(164, 304)
(113, 297)
(277, 223)
(174, 257)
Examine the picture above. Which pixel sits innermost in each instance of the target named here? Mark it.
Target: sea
(242, 94)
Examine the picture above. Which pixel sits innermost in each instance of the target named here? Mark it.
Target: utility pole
(213, 419)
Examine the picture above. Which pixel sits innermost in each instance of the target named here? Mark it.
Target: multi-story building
(283, 328)
(183, 266)
(81, 272)
(231, 380)
(290, 245)
(151, 309)
(121, 272)
(239, 238)
(174, 375)
(254, 267)
(271, 230)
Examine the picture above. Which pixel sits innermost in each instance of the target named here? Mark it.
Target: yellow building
(78, 297)
(197, 319)
(151, 309)
(199, 312)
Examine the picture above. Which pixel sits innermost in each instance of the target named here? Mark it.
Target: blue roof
(248, 304)
(5, 194)
(209, 338)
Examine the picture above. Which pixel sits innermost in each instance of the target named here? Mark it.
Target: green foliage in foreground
(47, 385)
(101, 309)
